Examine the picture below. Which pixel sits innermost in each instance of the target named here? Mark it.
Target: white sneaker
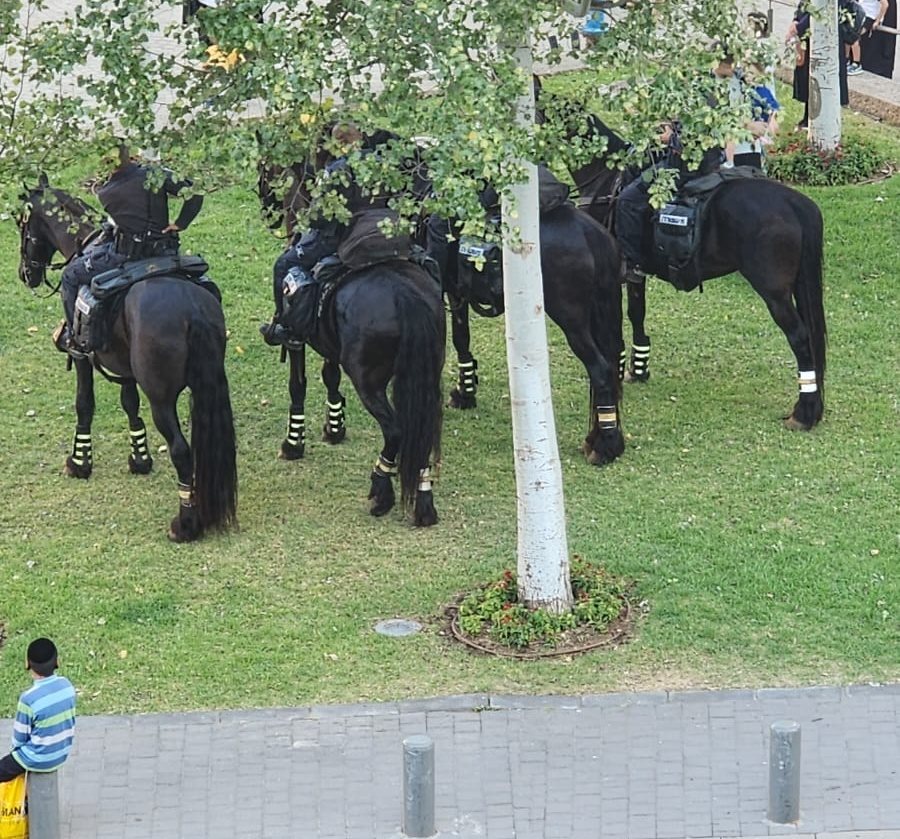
(854, 69)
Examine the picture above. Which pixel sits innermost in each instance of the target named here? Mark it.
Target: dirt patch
(886, 112)
(2, 634)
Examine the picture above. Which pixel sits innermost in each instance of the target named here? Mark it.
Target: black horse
(768, 232)
(168, 335)
(382, 324)
(582, 295)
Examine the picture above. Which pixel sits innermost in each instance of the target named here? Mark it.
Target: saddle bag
(302, 303)
(89, 330)
(675, 233)
(480, 275)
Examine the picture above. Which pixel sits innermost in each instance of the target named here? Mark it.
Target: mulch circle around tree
(581, 639)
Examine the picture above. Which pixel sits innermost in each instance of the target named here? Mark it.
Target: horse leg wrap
(384, 468)
(139, 451)
(807, 381)
(606, 417)
(296, 434)
(425, 479)
(623, 358)
(185, 495)
(468, 377)
(640, 361)
(335, 421)
(82, 454)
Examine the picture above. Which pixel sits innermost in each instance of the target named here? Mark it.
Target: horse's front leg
(335, 429)
(139, 461)
(80, 463)
(293, 446)
(639, 369)
(464, 393)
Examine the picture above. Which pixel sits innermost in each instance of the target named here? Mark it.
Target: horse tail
(212, 428)
(808, 290)
(417, 387)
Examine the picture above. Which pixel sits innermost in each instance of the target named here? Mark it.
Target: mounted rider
(634, 200)
(318, 241)
(140, 213)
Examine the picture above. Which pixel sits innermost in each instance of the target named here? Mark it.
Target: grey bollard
(418, 786)
(784, 772)
(43, 805)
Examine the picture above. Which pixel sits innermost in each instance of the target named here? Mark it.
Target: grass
(764, 557)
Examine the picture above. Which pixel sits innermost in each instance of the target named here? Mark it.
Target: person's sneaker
(854, 69)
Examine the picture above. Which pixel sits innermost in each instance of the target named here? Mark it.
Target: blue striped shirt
(44, 725)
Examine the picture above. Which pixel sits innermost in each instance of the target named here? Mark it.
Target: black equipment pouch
(676, 233)
(480, 273)
(88, 326)
(302, 296)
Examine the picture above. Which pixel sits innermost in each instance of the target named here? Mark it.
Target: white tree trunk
(543, 553)
(824, 76)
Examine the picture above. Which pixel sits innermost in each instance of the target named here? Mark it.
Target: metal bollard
(43, 805)
(418, 786)
(784, 772)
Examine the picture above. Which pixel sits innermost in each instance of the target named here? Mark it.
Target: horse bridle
(28, 238)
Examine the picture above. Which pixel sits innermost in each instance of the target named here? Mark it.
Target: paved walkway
(613, 766)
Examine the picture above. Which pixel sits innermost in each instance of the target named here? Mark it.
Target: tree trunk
(824, 76)
(543, 553)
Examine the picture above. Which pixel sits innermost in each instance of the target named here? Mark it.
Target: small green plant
(493, 611)
(800, 162)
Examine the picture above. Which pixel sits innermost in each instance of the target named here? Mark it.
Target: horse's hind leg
(139, 461)
(80, 463)
(604, 442)
(185, 526)
(464, 394)
(335, 429)
(639, 369)
(809, 407)
(381, 491)
(293, 446)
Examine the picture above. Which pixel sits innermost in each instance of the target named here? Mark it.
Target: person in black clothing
(316, 243)
(142, 230)
(631, 208)
(798, 35)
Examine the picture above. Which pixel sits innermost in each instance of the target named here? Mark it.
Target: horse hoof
(140, 467)
(424, 514)
(631, 376)
(380, 507)
(607, 448)
(793, 424)
(460, 400)
(334, 437)
(291, 452)
(183, 529)
(73, 470)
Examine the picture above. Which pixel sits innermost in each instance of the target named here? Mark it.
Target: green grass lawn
(762, 556)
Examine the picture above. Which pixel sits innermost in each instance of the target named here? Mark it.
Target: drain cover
(397, 627)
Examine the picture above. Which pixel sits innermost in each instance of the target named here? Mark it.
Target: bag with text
(14, 809)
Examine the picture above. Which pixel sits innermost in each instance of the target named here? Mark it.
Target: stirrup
(62, 340)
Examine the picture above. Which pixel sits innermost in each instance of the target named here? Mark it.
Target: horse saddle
(98, 304)
(677, 225)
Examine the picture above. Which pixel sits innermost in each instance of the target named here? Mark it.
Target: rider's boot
(64, 342)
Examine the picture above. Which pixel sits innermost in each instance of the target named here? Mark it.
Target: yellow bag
(13, 809)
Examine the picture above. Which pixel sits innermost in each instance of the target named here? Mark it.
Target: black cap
(41, 651)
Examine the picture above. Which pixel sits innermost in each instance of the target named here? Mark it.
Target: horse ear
(43, 181)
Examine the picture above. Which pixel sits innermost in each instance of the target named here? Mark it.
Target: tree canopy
(209, 94)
